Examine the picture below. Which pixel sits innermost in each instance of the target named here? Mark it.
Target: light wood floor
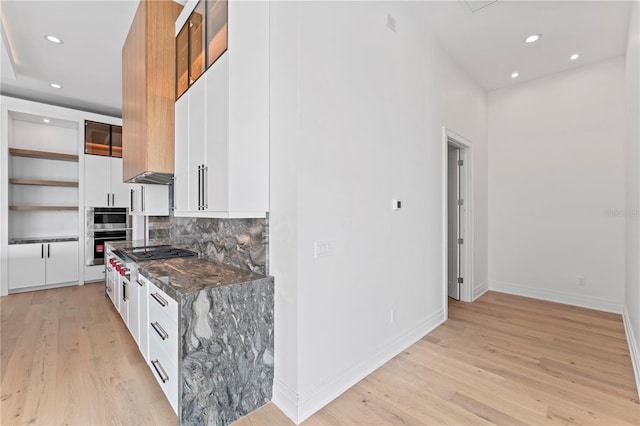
(67, 358)
(503, 360)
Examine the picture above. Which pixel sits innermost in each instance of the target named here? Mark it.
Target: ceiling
(487, 43)
(88, 63)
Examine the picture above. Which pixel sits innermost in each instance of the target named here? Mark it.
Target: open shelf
(42, 154)
(42, 182)
(35, 208)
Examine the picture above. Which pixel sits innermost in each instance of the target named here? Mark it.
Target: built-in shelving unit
(43, 177)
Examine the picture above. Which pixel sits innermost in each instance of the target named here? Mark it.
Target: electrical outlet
(582, 282)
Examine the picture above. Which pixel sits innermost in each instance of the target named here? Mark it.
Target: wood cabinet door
(61, 262)
(26, 265)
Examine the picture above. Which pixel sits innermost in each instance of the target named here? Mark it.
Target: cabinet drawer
(159, 301)
(165, 371)
(164, 333)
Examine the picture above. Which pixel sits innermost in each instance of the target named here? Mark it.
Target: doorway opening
(458, 229)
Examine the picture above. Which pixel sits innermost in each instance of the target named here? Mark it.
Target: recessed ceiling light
(514, 75)
(55, 86)
(46, 120)
(532, 38)
(574, 56)
(53, 39)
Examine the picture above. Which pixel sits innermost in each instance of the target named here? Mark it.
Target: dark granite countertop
(41, 240)
(187, 275)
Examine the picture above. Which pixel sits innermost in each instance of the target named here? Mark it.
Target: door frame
(466, 153)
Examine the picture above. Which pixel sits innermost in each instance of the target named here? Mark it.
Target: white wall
(357, 114)
(556, 187)
(632, 278)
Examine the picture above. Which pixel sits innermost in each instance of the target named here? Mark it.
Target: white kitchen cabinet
(103, 185)
(163, 340)
(148, 199)
(222, 126)
(125, 286)
(143, 316)
(32, 265)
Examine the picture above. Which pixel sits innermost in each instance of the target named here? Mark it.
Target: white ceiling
(88, 64)
(487, 44)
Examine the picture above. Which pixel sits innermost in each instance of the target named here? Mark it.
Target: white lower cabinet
(143, 316)
(162, 327)
(32, 265)
(124, 299)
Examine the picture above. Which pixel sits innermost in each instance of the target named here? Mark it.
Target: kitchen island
(223, 318)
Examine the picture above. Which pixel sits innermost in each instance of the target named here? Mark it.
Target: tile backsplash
(239, 242)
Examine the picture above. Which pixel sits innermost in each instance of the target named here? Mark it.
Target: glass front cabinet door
(200, 42)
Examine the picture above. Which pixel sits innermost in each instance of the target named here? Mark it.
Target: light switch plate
(323, 248)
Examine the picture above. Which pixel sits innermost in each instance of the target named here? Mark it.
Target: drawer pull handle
(158, 328)
(159, 299)
(161, 373)
(140, 283)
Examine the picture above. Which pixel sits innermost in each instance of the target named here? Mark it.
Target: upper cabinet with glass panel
(102, 139)
(200, 42)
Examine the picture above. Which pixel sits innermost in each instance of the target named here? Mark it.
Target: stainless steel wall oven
(105, 224)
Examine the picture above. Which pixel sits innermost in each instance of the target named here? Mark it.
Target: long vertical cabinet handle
(131, 200)
(113, 199)
(205, 198)
(108, 199)
(41, 251)
(142, 198)
(48, 250)
(199, 192)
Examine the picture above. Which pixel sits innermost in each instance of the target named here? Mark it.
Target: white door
(97, 181)
(454, 235)
(119, 189)
(26, 265)
(61, 262)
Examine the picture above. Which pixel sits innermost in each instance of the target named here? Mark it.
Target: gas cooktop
(139, 254)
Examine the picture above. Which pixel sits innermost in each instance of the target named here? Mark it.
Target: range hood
(156, 178)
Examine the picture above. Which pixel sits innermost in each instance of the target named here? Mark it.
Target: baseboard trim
(480, 290)
(286, 399)
(327, 391)
(634, 349)
(557, 296)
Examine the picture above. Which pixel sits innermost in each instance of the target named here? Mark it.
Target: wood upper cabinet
(148, 92)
